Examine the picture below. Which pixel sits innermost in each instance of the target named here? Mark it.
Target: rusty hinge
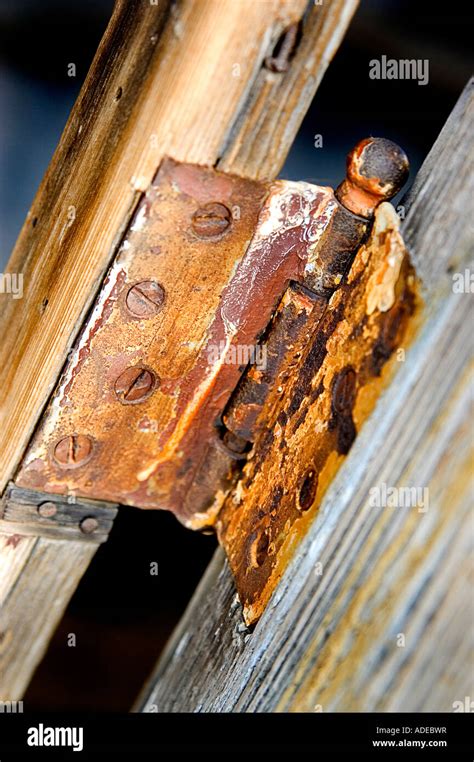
(218, 313)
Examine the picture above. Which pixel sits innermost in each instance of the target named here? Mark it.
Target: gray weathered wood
(42, 559)
(38, 576)
(20, 514)
(387, 626)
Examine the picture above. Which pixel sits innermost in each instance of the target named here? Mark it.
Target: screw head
(135, 385)
(343, 391)
(73, 451)
(89, 525)
(259, 543)
(308, 489)
(145, 299)
(47, 510)
(211, 220)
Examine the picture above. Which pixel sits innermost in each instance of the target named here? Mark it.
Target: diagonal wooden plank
(44, 596)
(168, 79)
(163, 82)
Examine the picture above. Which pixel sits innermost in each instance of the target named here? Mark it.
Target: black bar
(141, 736)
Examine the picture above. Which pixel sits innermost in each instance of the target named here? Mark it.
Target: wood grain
(276, 105)
(385, 621)
(178, 79)
(163, 82)
(42, 559)
(38, 576)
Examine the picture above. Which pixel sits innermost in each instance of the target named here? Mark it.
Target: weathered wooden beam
(262, 135)
(46, 544)
(33, 600)
(181, 81)
(184, 80)
(375, 611)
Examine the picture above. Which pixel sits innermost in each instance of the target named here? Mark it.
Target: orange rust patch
(147, 382)
(308, 427)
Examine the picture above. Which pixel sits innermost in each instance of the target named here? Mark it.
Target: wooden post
(44, 550)
(184, 81)
(157, 87)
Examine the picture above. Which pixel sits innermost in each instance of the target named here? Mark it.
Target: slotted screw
(145, 299)
(211, 220)
(343, 393)
(73, 450)
(134, 385)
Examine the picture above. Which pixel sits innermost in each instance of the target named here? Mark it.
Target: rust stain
(112, 287)
(310, 425)
(13, 540)
(220, 296)
(219, 442)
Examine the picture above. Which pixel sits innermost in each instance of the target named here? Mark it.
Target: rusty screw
(73, 451)
(284, 49)
(342, 401)
(89, 525)
(211, 220)
(47, 510)
(308, 490)
(134, 385)
(145, 299)
(343, 391)
(260, 549)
